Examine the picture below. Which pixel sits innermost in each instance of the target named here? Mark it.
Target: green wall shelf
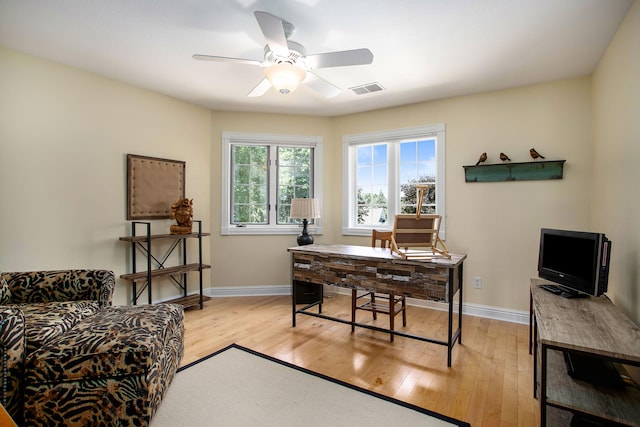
(526, 171)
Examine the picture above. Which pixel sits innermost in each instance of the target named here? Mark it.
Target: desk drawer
(307, 293)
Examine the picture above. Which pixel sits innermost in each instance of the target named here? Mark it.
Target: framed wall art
(153, 184)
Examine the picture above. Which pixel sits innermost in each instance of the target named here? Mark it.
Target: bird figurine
(482, 159)
(535, 154)
(504, 157)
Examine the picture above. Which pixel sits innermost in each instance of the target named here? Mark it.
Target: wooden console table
(590, 326)
(378, 270)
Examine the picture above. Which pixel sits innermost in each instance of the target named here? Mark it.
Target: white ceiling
(423, 49)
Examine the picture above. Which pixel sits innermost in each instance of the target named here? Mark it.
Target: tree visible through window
(261, 175)
(417, 166)
(250, 184)
(294, 179)
(372, 184)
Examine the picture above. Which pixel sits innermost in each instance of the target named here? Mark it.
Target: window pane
(241, 174)
(365, 154)
(417, 165)
(241, 193)
(372, 180)
(382, 176)
(283, 214)
(258, 174)
(427, 150)
(262, 174)
(242, 155)
(249, 200)
(408, 152)
(294, 179)
(379, 154)
(241, 213)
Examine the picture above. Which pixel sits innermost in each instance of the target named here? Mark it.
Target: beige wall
(615, 202)
(261, 260)
(498, 224)
(64, 136)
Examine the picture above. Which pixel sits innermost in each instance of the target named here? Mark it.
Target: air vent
(368, 88)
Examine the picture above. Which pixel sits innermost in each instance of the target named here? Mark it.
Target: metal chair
(377, 302)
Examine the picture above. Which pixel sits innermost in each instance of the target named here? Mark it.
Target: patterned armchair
(35, 308)
(71, 358)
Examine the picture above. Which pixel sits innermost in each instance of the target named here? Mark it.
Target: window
(261, 174)
(381, 173)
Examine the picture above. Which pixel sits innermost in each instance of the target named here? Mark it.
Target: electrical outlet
(477, 282)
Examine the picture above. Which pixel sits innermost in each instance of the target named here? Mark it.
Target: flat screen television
(578, 261)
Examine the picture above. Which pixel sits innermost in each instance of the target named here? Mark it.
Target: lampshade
(285, 77)
(304, 209)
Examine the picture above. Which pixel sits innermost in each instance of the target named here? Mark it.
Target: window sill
(367, 231)
(258, 230)
(362, 231)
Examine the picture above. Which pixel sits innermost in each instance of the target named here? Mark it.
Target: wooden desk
(584, 326)
(378, 270)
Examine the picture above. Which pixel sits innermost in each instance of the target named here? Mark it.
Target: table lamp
(305, 209)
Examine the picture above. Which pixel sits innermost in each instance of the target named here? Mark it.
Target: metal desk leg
(530, 320)
(535, 356)
(543, 386)
(293, 303)
(460, 281)
(293, 295)
(450, 325)
(450, 295)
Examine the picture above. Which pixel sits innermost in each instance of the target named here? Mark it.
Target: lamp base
(305, 239)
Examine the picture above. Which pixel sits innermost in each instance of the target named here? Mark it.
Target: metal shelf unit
(178, 273)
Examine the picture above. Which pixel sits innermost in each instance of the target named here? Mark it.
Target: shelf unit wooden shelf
(177, 273)
(621, 406)
(169, 271)
(591, 327)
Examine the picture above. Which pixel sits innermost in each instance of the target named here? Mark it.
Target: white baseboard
(247, 291)
(477, 310)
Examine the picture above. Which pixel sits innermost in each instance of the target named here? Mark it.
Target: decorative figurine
(482, 159)
(535, 155)
(182, 212)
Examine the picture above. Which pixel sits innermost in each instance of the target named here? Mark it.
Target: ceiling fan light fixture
(285, 77)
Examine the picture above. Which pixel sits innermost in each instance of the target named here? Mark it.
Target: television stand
(596, 334)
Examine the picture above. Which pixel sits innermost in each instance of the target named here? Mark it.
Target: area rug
(237, 386)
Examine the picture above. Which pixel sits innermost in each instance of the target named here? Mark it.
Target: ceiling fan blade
(321, 86)
(225, 59)
(261, 89)
(273, 31)
(339, 59)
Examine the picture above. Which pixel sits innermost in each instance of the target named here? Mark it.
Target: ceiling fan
(286, 63)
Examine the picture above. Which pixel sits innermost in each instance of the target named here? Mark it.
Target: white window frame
(393, 138)
(230, 138)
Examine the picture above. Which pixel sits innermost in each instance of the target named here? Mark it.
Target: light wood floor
(489, 383)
